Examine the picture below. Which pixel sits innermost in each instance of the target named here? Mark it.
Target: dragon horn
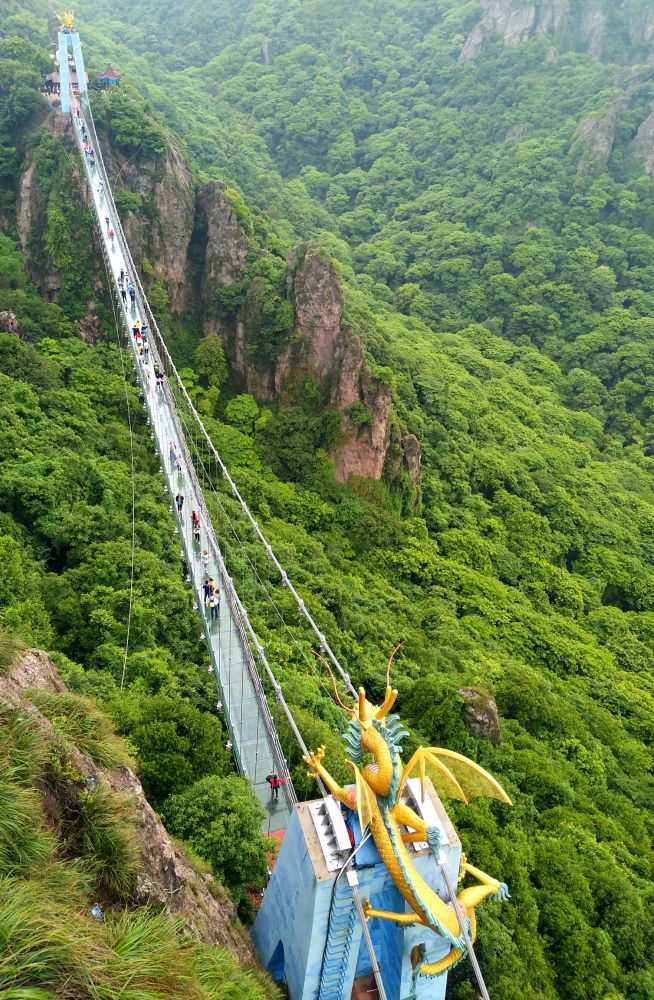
(388, 668)
(389, 701)
(331, 674)
(363, 715)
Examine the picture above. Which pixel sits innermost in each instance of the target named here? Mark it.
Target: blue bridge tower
(308, 933)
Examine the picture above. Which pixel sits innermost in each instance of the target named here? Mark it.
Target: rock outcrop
(9, 323)
(166, 876)
(589, 27)
(642, 146)
(162, 232)
(224, 245)
(325, 347)
(321, 346)
(480, 715)
(198, 245)
(593, 141)
(515, 22)
(640, 24)
(29, 207)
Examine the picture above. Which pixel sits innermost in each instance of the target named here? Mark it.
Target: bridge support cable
(247, 715)
(172, 372)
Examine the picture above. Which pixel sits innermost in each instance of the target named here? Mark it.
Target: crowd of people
(211, 592)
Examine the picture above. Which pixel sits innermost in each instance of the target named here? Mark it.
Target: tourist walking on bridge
(214, 606)
(275, 781)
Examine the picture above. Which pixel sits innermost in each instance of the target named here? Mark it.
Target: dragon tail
(453, 957)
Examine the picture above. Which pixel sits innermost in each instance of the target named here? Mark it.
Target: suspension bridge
(312, 930)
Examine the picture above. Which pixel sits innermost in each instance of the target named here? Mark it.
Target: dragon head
(373, 730)
(369, 722)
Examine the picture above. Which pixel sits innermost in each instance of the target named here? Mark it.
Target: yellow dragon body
(376, 798)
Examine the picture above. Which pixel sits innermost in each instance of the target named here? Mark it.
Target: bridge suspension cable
(168, 428)
(181, 388)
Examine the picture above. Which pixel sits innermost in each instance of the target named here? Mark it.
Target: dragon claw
(313, 760)
(502, 893)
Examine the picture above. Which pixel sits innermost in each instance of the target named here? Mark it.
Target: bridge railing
(160, 353)
(188, 403)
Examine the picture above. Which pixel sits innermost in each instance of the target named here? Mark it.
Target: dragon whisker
(331, 674)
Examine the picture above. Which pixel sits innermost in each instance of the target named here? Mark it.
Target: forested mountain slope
(490, 209)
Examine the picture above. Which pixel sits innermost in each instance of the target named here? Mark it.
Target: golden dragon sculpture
(376, 797)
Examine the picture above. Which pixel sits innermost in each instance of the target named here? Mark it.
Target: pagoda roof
(109, 74)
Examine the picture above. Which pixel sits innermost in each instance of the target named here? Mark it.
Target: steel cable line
(242, 545)
(110, 288)
(165, 354)
(168, 363)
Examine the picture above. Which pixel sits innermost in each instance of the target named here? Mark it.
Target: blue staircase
(342, 919)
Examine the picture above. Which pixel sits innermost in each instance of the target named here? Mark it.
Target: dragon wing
(452, 775)
(366, 801)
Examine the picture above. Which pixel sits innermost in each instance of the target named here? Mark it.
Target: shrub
(221, 820)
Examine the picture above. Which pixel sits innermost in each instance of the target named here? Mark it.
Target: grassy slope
(63, 847)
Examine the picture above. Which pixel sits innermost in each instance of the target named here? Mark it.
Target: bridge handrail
(324, 645)
(238, 612)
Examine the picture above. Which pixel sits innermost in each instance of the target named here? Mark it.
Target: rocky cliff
(55, 232)
(31, 209)
(198, 245)
(623, 32)
(320, 346)
(642, 146)
(166, 877)
(593, 141)
(324, 347)
(620, 33)
(159, 224)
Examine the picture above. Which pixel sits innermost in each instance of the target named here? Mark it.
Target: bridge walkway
(240, 693)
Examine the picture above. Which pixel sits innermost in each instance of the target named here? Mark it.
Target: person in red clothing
(275, 781)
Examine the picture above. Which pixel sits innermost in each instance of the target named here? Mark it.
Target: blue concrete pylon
(307, 932)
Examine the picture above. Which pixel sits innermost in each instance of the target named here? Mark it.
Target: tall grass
(98, 828)
(223, 979)
(9, 648)
(150, 957)
(45, 944)
(26, 993)
(78, 721)
(24, 843)
(51, 947)
(23, 750)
